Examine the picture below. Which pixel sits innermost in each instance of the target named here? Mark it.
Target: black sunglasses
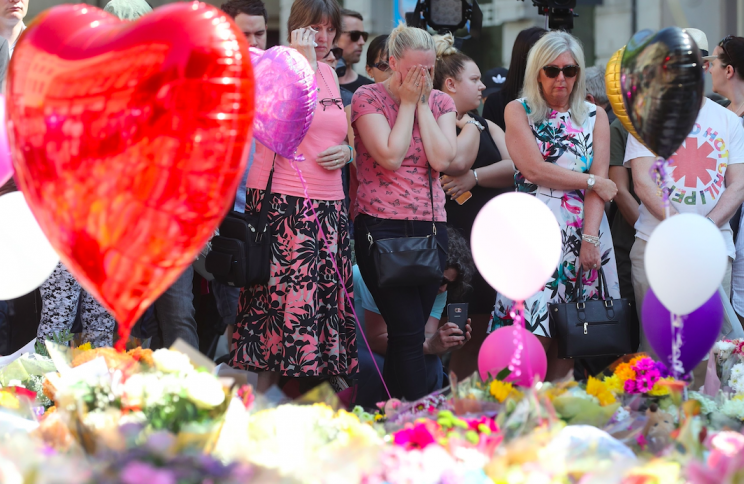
(568, 71)
(330, 101)
(355, 34)
(336, 51)
(382, 66)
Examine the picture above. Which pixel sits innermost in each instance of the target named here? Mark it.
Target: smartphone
(458, 314)
(464, 198)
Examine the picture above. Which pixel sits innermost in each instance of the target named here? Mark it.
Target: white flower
(169, 361)
(733, 409)
(724, 348)
(204, 390)
(736, 382)
(134, 391)
(578, 392)
(621, 415)
(707, 404)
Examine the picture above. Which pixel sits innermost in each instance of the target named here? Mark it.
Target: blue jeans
(174, 310)
(370, 389)
(404, 309)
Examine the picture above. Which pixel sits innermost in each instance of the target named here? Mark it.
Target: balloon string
(677, 342)
(659, 173)
(517, 315)
(349, 300)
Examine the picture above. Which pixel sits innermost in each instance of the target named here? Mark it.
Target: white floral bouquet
(149, 391)
(730, 365)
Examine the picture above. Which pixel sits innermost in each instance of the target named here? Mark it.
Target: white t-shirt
(696, 171)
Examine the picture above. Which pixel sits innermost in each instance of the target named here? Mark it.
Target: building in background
(603, 26)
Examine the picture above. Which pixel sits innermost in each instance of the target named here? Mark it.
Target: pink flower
(631, 386)
(644, 364)
(641, 440)
(416, 436)
(140, 472)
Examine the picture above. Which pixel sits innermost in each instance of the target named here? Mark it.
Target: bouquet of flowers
(730, 365)
(153, 391)
(639, 376)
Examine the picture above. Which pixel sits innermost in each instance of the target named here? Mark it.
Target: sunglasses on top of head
(553, 71)
(355, 34)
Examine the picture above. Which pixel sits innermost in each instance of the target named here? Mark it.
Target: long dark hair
(515, 78)
(459, 258)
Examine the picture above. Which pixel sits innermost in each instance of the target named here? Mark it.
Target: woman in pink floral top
(405, 135)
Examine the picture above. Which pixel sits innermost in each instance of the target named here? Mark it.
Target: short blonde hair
(545, 51)
(404, 38)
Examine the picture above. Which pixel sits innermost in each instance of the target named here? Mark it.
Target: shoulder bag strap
(263, 216)
(431, 198)
(579, 288)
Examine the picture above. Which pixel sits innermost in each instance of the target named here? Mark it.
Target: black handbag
(407, 261)
(596, 327)
(241, 253)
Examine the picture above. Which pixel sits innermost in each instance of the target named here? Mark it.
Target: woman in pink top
(299, 324)
(405, 135)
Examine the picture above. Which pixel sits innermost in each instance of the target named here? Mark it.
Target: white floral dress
(571, 147)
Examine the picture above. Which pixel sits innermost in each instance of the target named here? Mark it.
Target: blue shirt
(240, 194)
(368, 303)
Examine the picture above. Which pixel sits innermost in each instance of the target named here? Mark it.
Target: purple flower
(139, 472)
(662, 369)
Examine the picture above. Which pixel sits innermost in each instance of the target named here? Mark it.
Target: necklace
(324, 81)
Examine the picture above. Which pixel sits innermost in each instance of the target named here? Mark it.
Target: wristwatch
(590, 182)
(477, 124)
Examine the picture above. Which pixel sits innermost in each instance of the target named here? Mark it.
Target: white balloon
(27, 258)
(685, 262)
(516, 244)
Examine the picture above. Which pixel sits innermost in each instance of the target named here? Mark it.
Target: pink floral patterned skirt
(300, 324)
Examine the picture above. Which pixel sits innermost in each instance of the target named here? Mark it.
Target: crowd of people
(404, 153)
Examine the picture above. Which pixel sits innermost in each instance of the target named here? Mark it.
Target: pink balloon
(6, 167)
(256, 54)
(286, 96)
(498, 349)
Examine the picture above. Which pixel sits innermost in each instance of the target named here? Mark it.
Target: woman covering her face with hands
(560, 145)
(405, 136)
(299, 324)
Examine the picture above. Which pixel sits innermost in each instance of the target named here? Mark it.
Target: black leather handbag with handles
(595, 327)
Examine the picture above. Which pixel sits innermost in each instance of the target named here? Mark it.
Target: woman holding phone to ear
(299, 325)
(405, 136)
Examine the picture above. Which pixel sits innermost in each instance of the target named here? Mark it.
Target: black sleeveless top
(462, 217)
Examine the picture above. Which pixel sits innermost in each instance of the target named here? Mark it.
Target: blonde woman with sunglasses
(560, 145)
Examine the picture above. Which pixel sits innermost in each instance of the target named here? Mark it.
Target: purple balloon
(699, 334)
(286, 96)
(6, 167)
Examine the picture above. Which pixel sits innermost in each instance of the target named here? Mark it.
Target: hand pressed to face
(557, 91)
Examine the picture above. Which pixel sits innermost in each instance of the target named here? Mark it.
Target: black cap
(494, 80)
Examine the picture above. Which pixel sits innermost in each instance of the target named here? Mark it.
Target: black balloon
(661, 77)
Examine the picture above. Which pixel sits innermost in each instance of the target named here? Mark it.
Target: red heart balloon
(128, 140)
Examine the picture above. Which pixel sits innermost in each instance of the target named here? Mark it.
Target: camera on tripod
(559, 13)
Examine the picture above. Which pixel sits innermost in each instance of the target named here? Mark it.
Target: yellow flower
(501, 390)
(614, 384)
(625, 372)
(597, 388)
(660, 390)
(378, 417)
(85, 347)
(8, 400)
